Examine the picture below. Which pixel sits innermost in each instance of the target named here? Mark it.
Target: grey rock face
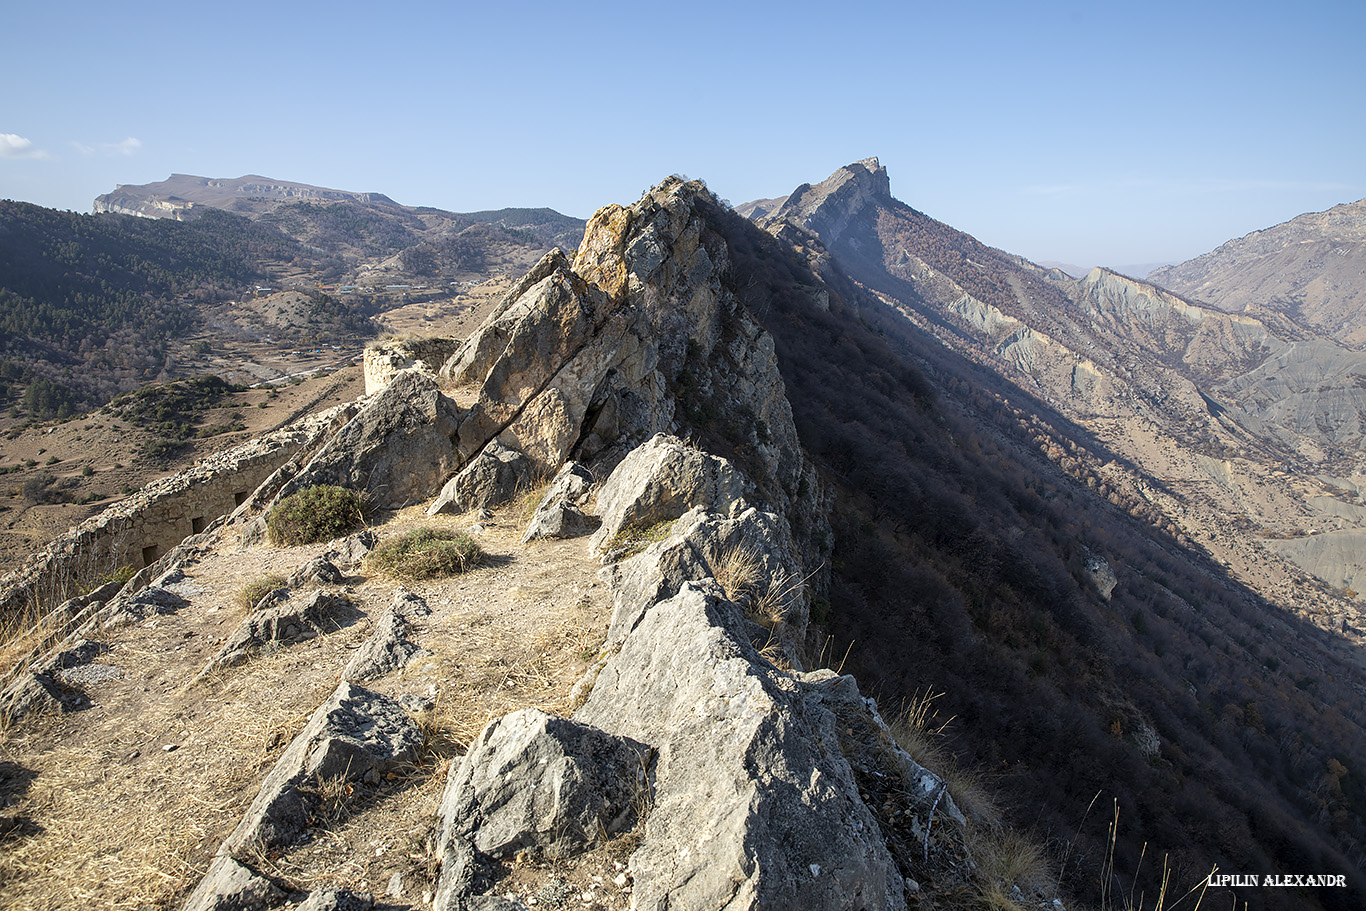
(751, 553)
(292, 620)
(662, 479)
(229, 886)
(534, 781)
(156, 598)
(53, 684)
(396, 450)
(389, 647)
(355, 734)
(318, 571)
(490, 479)
(337, 900)
(558, 514)
(350, 551)
(755, 804)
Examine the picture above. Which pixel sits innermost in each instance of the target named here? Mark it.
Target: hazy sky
(1113, 133)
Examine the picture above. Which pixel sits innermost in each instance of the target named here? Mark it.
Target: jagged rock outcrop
(828, 207)
(755, 805)
(389, 647)
(350, 551)
(290, 620)
(535, 781)
(755, 798)
(750, 553)
(134, 604)
(663, 479)
(396, 450)
(318, 571)
(355, 736)
(558, 513)
(588, 360)
(47, 686)
(490, 479)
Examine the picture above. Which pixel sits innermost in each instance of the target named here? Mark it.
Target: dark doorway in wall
(239, 497)
(150, 554)
(198, 524)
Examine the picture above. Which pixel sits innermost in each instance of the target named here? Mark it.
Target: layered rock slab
(661, 480)
(396, 450)
(755, 805)
(356, 735)
(389, 647)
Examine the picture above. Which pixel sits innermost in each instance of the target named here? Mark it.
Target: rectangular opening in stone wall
(149, 555)
(239, 497)
(198, 524)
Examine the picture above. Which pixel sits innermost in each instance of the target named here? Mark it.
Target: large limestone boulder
(396, 450)
(660, 480)
(490, 479)
(755, 803)
(559, 514)
(533, 780)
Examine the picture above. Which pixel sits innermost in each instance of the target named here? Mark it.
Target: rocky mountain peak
(828, 207)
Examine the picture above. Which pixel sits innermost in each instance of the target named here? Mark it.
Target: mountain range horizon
(193, 188)
(1113, 526)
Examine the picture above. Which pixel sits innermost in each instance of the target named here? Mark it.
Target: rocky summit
(696, 760)
(698, 490)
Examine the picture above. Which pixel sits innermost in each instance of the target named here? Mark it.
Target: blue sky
(1114, 133)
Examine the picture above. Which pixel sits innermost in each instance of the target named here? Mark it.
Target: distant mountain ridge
(1203, 410)
(379, 223)
(1311, 269)
(177, 196)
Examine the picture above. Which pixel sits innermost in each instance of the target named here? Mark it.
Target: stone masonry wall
(386, 358)
(138, 530)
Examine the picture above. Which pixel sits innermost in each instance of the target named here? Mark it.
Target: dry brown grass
(740, 572)
(528, 496)
(919, 731)
(768, 598)
(105, 838)
(249, 595)
(1013, 871)
(20, 637)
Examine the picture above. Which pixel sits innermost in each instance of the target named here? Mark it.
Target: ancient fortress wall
(387, 358)
(138, 530)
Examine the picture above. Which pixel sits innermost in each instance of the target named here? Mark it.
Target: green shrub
(121, 575)
(315, 514)
(249, 595)
(426, 553)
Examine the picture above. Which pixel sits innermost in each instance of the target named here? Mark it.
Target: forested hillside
(90, 303)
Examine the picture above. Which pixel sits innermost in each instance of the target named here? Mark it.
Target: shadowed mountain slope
(975, 515)
(1220, 424)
